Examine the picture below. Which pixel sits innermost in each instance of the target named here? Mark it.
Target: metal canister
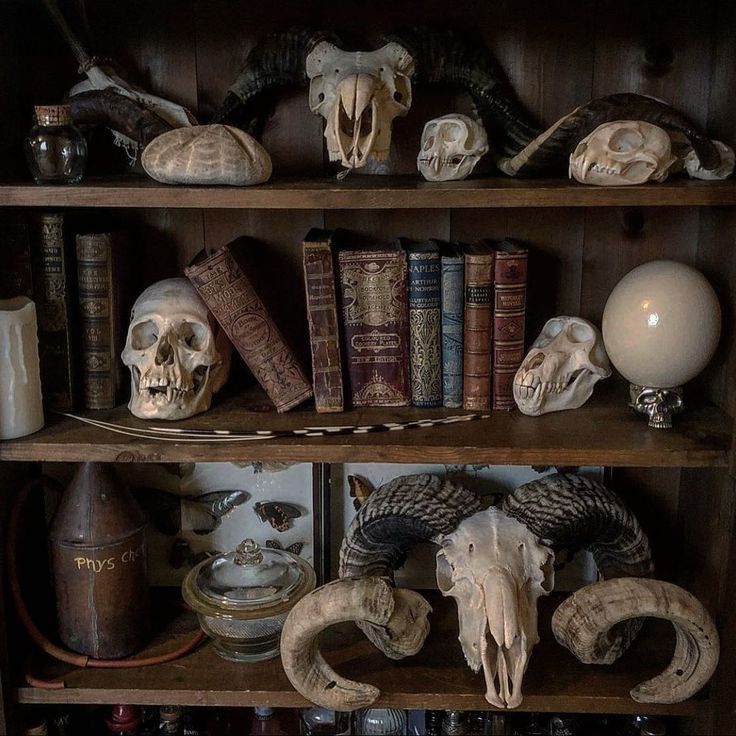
(98, 557)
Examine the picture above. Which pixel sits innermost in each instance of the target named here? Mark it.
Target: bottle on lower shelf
(380, 722)
(274, 722)
(123, 720)
(324, 722)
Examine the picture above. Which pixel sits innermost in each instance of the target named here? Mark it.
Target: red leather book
(509, 310)
(319, 281)
(478, 326)
(373, 290)
(232, 299)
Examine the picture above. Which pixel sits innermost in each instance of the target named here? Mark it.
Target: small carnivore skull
(359, 94)
(722, 171)
(177, 355)
(561, 368)
(622, 152)
(496, 570)
(451, 147)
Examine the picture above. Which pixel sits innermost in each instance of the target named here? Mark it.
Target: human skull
(359, 94)
(451, 147)
(659, 404)
(496, 570)
(562, 367)
(622, 152)
(722, 171)
(176, 354)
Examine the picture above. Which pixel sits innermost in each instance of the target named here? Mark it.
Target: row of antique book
(428, 324)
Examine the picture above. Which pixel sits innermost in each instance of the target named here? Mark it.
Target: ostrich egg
(661, 324)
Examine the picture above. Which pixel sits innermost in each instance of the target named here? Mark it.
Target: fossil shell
(207, 154)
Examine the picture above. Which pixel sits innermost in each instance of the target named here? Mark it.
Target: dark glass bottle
(170, 720)
(271, 722)
(324, 722)
(124, 720)
(433, 722)
(453, 723)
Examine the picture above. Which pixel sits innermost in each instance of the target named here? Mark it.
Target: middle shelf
(437, 677)
(603, 432)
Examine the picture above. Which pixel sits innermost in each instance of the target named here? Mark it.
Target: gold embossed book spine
(373, 292)
(230, 296)
(319, 282)
(509, 314)
(478, 327)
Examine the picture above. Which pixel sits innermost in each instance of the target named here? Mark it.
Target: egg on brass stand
(661, 326)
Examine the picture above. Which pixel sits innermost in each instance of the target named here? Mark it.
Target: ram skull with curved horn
(359, 94)
(496, 563)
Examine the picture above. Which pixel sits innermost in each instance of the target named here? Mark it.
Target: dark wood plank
(603, 432)
(363, 192)
(437, 677)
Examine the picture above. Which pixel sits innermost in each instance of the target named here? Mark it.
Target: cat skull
(451, 147)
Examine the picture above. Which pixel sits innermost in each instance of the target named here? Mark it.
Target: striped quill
(173, 434)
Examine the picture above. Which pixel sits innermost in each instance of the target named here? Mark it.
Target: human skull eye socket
(193, 335)
(143, 335)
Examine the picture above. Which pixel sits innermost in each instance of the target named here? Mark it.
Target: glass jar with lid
(56, 151)
(242, 598)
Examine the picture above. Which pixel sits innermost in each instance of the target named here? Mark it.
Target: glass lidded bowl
(242, 598)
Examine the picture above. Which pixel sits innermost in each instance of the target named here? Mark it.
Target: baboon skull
(359, 94)
(496, 570)
(177, 355)
(562, 367)
(451, 147)
(622, 152)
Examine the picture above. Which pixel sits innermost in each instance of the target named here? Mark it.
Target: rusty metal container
(98, 557)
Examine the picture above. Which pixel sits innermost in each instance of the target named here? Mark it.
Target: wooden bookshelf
(437, 677)
(603, 432)
(365, 193)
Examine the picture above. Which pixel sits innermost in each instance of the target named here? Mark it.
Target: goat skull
(562, 367)
(359, 94)
(176, 359)
(496, 570)
(623, 152)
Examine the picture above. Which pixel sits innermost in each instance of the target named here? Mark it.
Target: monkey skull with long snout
(177, 355)
(496, 570)
(359, 94)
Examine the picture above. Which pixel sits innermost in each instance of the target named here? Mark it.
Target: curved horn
(567, 511)
(369, 599)
(551, 149)
(406, 510)
(279, 60)
(585, 623)
(442, 55)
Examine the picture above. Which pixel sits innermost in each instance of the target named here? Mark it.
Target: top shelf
(365, 192)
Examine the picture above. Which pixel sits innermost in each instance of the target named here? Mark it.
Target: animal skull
(723, 171)
(176, 358)
(359, 94)
(562, 367)
(496, 570)
(451, 147)
(622, 152)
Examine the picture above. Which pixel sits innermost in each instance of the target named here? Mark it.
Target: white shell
(207, 154)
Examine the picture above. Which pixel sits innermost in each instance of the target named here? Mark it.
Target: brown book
(15, 274)
(101, 312)
(373, 290)
(319, 281)
(231, 297)
(509, 314)
(478, 328)
(55, 299)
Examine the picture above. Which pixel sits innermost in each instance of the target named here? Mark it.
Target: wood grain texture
(603, 432)
(437, 677)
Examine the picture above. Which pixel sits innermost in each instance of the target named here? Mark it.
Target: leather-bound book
(15, 275)
(231, 297)
(509, 314)
(324, 340)
(478, 327)
(100, 280)
(55, 289)
(373, 293)
(453, 319)
(425, 328)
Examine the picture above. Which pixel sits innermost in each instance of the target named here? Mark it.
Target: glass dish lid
(249, 582)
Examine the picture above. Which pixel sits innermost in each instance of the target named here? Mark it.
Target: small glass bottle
(324, 722)
(650, 726)
(454, 723)
(433, 722)
(380, 722)
(170, 720)
(271, 722)
(124, 720)
(56, 151)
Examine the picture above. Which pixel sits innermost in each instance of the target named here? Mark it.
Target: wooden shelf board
(603, 432)
(368, 192)
(437, 677)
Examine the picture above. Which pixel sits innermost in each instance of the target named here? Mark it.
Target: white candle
(21, 411)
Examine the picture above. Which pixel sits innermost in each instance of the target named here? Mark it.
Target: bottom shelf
(435, 678)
